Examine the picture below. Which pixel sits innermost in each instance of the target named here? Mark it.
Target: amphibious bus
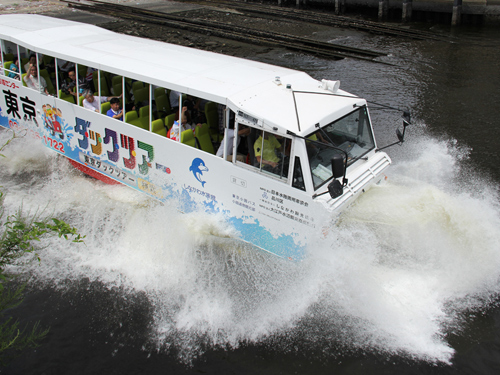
(271, 150)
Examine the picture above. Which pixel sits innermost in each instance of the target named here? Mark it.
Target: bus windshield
(351, 133)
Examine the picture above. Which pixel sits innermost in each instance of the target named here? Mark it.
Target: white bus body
(276, 211)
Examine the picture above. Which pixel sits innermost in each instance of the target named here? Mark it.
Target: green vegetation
(20, 236)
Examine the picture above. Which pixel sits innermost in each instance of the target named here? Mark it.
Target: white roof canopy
(241, 84)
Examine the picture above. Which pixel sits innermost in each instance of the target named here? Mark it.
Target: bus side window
(298, 177)
(10, 61)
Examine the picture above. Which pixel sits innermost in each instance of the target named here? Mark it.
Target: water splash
(390, 276)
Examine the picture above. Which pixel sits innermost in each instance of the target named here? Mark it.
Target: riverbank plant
(20, 238)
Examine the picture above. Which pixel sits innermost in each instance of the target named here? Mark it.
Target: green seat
(80, 100)
(169, 120)
(132, 118)
(6, 65)
(104, 83)
(67, 97)
(141, 96)
(116, 80)
(50, 87)
(24, 61)
(105, 107)
(22, 79)
(163, 104)
(158, 127)
(82, 71)
(117, 89)
(137, 85)
(204, 139)
(144, 117)
(212, 116)
(187, 137)
(159, 91)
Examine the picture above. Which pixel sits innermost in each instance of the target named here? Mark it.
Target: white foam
(390, 276)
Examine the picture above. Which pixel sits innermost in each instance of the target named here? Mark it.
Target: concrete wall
(486, 7)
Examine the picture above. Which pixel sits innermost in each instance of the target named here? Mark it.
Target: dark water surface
(409, 286)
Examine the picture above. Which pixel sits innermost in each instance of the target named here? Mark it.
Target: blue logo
(198, 167)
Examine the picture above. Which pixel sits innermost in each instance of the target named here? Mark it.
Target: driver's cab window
(351, 136)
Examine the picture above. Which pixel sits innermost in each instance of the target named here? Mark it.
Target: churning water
(394, 275)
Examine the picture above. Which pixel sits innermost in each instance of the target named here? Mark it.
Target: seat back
(131, 116)
(24, 61)
(105, 107)
(50, 87)
(137, 85)
(8, 56)
(63, 96)
(82, 70)
(117, 89)
(204, 139)
(6, 65)
(104, 84)
(163, 104)
(141, 96)
(169, 120)
(158, 127)
(22, 79)
(144, 117)
(212, 117)
(116, 80)
(80, 100)
(187, 137)
(159, 91)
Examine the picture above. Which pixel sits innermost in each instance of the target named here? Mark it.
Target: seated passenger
(65, 66)
(265, 152)
(93, 103)
(33, 81)
(70, 87)
(31, 61)
(176, 129)
(14, 68)
(242, 131)
(116, 112)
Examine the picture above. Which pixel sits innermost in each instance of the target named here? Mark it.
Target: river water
(408, 285)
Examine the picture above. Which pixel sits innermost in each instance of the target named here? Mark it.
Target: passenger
(70, 87)
(31, 61)
(35, 82)
(198, 110)
(89, 78)
(176, 129)
(14, 68)
(93, 103)
(242, 132)
(65, 66)
(265, 152)
(115, 112)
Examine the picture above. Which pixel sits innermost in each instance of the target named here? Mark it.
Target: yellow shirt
(270, 145)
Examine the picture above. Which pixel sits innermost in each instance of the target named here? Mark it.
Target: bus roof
(242, 84)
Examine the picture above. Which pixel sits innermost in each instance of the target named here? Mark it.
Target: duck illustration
(198, 167)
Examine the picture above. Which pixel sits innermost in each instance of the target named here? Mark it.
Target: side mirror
(335, 189)
(400, 136)
(338, 166)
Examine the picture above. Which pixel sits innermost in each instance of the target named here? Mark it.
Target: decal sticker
(197, 168)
